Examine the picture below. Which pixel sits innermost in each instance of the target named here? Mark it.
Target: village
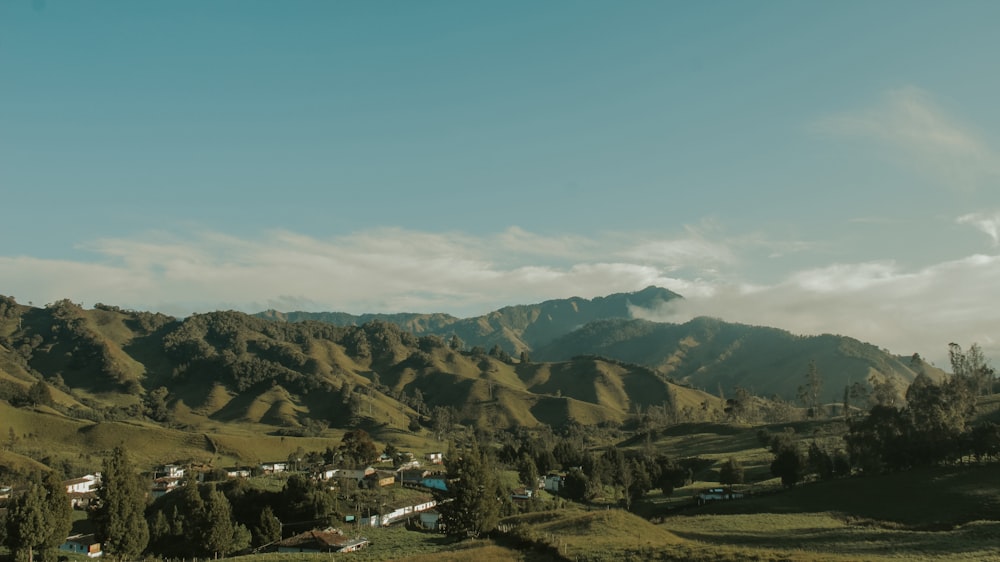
(420, 477)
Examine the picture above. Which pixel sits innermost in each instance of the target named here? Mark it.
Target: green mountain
(711, 354)
(514, 328)
(226, 367)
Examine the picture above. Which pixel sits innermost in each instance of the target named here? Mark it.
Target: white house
(236, 472)
(168, 471)
(435, 458)
(83, 485)
(357, 473)
(274, 467)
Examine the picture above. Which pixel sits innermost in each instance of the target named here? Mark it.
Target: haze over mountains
(584, 360)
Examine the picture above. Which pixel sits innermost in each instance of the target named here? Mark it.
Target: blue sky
(816, 166)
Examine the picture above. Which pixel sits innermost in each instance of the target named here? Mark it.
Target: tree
(731, 472)
(268, 529)
(474, 492)
(809, 393)
(742, 406)
(858, 396)
(220, 536)
(118, 520)
(442, 419)
(972, 366)
(527, 471)
(358, 448)
(788, 463)
(820, 462)
(39, 394)
(38, 520)
(155, 404)
(883, 392)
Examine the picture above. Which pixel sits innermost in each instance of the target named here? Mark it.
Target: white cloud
(986, 222)
(906, 311)
(393, 270)
(927, 138)
(369, 271)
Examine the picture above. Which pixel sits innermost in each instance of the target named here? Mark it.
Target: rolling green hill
(230, 367)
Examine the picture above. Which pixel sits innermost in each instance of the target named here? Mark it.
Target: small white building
(83, 485)
(274, 467)
(434, 458)
(168, 471)
(235, 472)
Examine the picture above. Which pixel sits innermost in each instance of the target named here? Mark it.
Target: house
(553, 482)
(412, 475)
(5, 492)
(435, 458)
(431, 520)
(381, 478)
(404, 510)
(325, 540)
(236, 472)
(521, 494)
(83, 485)
(325, 472)
(717, 494)
(82, 544)
(82, 490)
(357, 473)
(168, 471)
(166, 484)
(273, 467)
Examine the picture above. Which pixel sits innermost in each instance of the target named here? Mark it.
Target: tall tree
(38, 520)
(971, 366)
(58, 511)
(809, 393)
(474, 491)
(220, 535)
(118, 520)
(268, 529)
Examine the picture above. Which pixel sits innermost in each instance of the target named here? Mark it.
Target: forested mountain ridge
(234, 367)
(710, 353)
(514, 328)
(705, 352)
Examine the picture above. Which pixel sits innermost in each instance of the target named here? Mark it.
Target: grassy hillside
(709, 353)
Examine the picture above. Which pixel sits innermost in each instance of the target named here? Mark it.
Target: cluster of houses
(169, 477)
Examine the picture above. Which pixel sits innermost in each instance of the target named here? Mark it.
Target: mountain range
(577, 360)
